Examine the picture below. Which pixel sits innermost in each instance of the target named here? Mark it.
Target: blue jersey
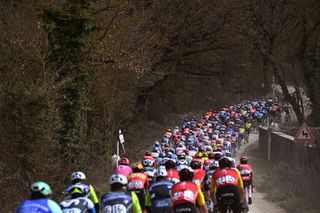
(39, 206)
(160, 197)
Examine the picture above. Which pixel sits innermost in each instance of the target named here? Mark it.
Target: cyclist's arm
(94, 198)
(54, 207)
(213, 192)
(136, 208)
(240, 185)
(201, 201)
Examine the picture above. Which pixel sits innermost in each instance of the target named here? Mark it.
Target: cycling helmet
(118, 178)
(198, 155)
(224, 163)
(170, 164)
(147, 153)
(78, 176)
(137, 167)
(185, 173)
(205, 155)
(41, 187)
(196, 164)
(217, 155)
(147, 163)
(150, 175)
(157, 143)
(227, 153)
(211, 155)
(124, 161)
(181, 155)
(243, 160)
(161, 172)
(214, 165)
(162, 155)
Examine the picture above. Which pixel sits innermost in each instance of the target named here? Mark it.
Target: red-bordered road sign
(304, 134)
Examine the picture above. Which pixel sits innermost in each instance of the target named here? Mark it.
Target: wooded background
(74, 72)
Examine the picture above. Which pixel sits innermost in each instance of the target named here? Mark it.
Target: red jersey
(226, 177)
(184, 192)
(245, 172)
(198, 177)
(137, 181)
(173, 176)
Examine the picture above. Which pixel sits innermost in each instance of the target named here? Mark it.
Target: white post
(269, 144)
(273, 87)
(117, 152)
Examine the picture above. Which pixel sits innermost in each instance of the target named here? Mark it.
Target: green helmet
(41, 187)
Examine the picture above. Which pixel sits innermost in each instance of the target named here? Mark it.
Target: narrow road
(260, 204)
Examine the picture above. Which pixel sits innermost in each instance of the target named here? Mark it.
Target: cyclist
(159, 193)
(39, 202)
(138, 182)
(199, 173)
(227, 187)
(78, 202)
(78, 178)
(124, 167)
(119, 199)
(246, 172)
(186, 195)
(173, 174)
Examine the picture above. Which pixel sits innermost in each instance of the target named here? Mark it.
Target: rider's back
(39, 205)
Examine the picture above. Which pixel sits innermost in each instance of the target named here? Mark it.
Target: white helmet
(161, 172)
(78, 175)
(147, 163)
(118, 178)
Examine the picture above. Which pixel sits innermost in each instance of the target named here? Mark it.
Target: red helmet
(124, 161)
(243, 160)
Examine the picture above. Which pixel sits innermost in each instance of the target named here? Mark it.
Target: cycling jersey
(198, 178)
(226, 177)
(159, 197)
(185, 195)
(138, 181)
(90, 193)
(123, 170)
(115, 202)
(39, 206)
(173, 176)
(246, 173)
(77, 205)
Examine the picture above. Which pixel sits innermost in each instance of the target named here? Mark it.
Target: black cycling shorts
(228, 196)
(185, 208)
(247, 183)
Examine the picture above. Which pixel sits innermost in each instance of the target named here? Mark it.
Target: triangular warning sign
(304, 134)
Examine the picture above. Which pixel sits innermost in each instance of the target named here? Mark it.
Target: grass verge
(294, 189)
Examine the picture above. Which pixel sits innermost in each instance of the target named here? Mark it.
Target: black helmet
(186, 173)
(224, 163)
(243, 160)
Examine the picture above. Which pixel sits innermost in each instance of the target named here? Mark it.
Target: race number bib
(228, 179)
(117, 208)
(135, 185)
